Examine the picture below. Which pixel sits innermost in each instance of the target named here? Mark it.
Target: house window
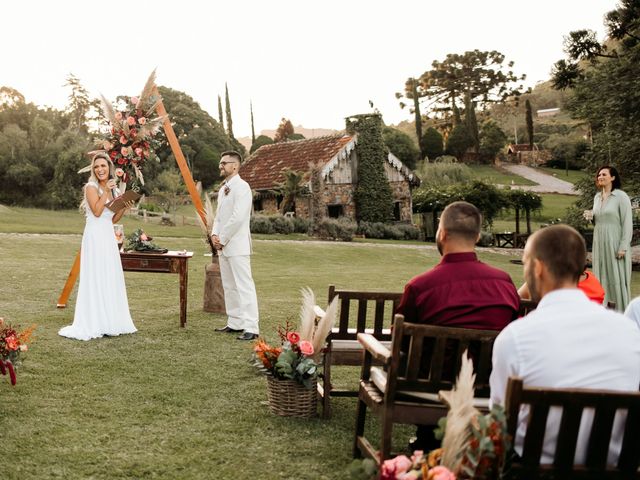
(397, 208)
(257, 205)
(335, 211)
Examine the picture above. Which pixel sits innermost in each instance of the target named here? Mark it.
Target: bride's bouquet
(131, 139)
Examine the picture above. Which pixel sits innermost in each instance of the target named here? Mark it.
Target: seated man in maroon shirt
(460, 291)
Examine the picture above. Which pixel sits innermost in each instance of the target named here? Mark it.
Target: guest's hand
(620, 255)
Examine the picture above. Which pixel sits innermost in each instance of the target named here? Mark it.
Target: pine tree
(228, 105)
(220, 116)
(373, 196)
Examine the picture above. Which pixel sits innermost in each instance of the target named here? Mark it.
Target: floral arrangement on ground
(130, 139)
(141, 242)
(13, 342)
(474, 446)
(296, 358)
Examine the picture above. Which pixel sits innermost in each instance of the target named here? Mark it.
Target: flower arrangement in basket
(474, 446)
(130, 139)
(292, 368)
(141, 242)
(12, 343)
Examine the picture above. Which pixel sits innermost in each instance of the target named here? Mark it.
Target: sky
(314, 63)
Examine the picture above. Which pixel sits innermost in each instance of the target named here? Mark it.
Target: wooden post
(71, 281)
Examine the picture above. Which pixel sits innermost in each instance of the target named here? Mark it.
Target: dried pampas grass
(460, 416)
(315, 323)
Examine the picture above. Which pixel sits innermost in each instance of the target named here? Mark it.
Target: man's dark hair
(462, 220)
(562, 249)
(616, 183)
(232, 153)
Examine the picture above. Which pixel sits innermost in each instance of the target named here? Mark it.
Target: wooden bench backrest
(604, 404)
(414, 367)
(352, 301)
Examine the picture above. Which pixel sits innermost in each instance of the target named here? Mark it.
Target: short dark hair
(562, 249)
(617, 183)
(232, 153)
(462, 220)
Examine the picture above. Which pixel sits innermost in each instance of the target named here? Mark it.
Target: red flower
(113, 154)
(293, 337)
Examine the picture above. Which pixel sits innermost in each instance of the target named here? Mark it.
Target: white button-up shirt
(567, 342)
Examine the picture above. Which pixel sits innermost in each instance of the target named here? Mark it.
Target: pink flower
(135, 100)
(131, 120)
(142, 120)
(412, 475)
(144, 237)
(107, 145)
(118, 116)
(293, 337)
(139, 151)
(394, 466)
(306, 348)
(123, 139)
(440, 473)
(417, 457)
(119, 172)
(11, 342)
(124, 151)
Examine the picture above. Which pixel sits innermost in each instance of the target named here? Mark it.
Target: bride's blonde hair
(93, 178)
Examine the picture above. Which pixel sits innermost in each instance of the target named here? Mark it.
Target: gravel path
(546, 183)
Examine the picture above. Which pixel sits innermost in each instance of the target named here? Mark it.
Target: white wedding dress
(102, 307)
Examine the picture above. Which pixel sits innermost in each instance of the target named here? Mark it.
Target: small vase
(288, 398)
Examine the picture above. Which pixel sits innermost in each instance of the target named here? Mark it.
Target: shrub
(261, 224)
(486, 239)
(336, 229)
(409, 232)
(400, 231)
(301, 225)
(282, 224)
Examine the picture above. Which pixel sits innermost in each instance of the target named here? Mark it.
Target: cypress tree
(253, 130)
(373, 196)
(228, 105)
(220, 117)
(529, 118)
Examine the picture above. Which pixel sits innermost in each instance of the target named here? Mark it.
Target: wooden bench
(415, 369)
(359, 312)
(574, 402)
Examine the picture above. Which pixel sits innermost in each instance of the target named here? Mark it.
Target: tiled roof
(263, 169)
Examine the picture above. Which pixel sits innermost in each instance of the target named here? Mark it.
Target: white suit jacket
(232, 217)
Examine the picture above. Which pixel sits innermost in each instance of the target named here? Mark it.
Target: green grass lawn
(166, 402)
(495, 175)
(554, 206)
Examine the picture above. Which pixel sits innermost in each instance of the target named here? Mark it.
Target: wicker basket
(288, 398)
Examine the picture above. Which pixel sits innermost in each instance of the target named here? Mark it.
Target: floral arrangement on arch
(474, 446)
(12, 343)
(296, 358)
(130, 140)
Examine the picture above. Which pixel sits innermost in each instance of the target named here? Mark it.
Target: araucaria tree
(412, 93)
(470, 81)
(604, 80)
(529, 119)
(373, 196)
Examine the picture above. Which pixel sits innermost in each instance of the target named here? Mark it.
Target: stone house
(339, 160)
(524, 154)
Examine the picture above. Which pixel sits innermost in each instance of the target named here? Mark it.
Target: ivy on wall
(373, 196)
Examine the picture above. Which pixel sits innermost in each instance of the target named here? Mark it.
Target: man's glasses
(222, 164)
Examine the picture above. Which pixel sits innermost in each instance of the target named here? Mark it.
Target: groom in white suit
(232, 238)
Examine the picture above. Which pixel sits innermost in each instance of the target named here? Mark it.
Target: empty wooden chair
(359, 312)
(423, 360)
(600, 409)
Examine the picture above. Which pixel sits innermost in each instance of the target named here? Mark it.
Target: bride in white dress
(102, 307)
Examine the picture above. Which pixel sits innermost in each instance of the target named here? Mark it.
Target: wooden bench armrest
(372, 345)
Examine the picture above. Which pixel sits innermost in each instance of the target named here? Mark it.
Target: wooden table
(170, 262)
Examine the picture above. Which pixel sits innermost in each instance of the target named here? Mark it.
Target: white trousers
(240, 296)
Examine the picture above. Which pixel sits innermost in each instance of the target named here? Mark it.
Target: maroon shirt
(461, 292)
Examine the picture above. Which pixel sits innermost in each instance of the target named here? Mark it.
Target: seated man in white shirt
(568, 341)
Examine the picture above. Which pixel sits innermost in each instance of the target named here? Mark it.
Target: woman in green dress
(612, 237)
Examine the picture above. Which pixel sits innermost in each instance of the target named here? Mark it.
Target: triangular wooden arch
(186, 175)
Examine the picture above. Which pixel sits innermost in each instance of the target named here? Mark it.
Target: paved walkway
(546, 183)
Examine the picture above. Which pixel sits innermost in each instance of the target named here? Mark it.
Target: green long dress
(612, 233)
